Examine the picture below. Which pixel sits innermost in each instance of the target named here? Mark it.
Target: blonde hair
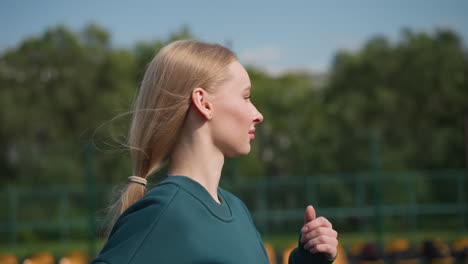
(162, 105)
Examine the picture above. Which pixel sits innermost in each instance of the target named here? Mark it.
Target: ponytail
(130, 194)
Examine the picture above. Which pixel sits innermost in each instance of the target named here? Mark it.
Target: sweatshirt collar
(221, 211)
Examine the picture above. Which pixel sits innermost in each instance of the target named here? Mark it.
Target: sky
(276, 36)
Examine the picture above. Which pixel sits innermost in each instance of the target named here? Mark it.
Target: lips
(252, 133)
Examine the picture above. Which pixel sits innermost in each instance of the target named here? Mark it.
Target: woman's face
(234, 115)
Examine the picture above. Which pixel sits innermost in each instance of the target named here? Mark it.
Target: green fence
(365, 202)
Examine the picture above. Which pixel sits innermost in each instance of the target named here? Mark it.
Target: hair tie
(137, 179)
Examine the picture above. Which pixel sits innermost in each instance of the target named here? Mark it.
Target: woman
(192, 111)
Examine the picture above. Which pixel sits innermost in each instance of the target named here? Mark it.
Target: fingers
(320, 221)
(320, 231)
(321, 240)
(318, 236)
(328, 250)
(309, 214)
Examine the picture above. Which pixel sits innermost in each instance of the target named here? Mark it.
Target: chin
(238, 153)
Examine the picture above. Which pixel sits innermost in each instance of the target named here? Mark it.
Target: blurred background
(365, 106)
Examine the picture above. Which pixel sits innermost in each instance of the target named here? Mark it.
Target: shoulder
(134, 225)
(153, 203)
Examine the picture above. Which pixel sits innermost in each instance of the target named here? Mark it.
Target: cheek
(232, 131)
(234, 118)
(239, 115)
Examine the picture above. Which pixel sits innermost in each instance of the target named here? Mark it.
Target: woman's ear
(200, 100)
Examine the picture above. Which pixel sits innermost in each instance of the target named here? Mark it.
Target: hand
(318, 235)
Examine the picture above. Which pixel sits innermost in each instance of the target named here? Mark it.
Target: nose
(258, 117)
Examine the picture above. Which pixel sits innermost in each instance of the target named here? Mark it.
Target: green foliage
(413, 92)
(63, 88)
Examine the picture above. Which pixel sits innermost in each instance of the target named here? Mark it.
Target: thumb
(309, 214)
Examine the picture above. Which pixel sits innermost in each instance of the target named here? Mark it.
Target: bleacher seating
(364, 253)
(40, 258)
(270, 252)
(436, 252)
(398, 251)
(460, 250)
(342, 257)
(75, 257)
(287, 251)
(8, 258)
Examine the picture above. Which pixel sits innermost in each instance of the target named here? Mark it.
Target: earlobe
(201, 102)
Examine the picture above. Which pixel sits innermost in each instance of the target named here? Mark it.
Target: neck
(192, 158)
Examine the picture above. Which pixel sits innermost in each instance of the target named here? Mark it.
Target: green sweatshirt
(179, 222)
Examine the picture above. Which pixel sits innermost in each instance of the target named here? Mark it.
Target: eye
(248, 97)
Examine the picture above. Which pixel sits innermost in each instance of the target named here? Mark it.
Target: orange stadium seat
(436, 252)
(342, 257)
(460, 244)
(460, 250)
(8, 259)
(287, 251)
(40, 258)
(271, 253)
(398, 245)
(355, 250)
(366, 253)
(399, 251)
(75, 257)
(408, 261)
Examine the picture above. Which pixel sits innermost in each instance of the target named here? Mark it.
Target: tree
(61, 90)
(412, 92)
